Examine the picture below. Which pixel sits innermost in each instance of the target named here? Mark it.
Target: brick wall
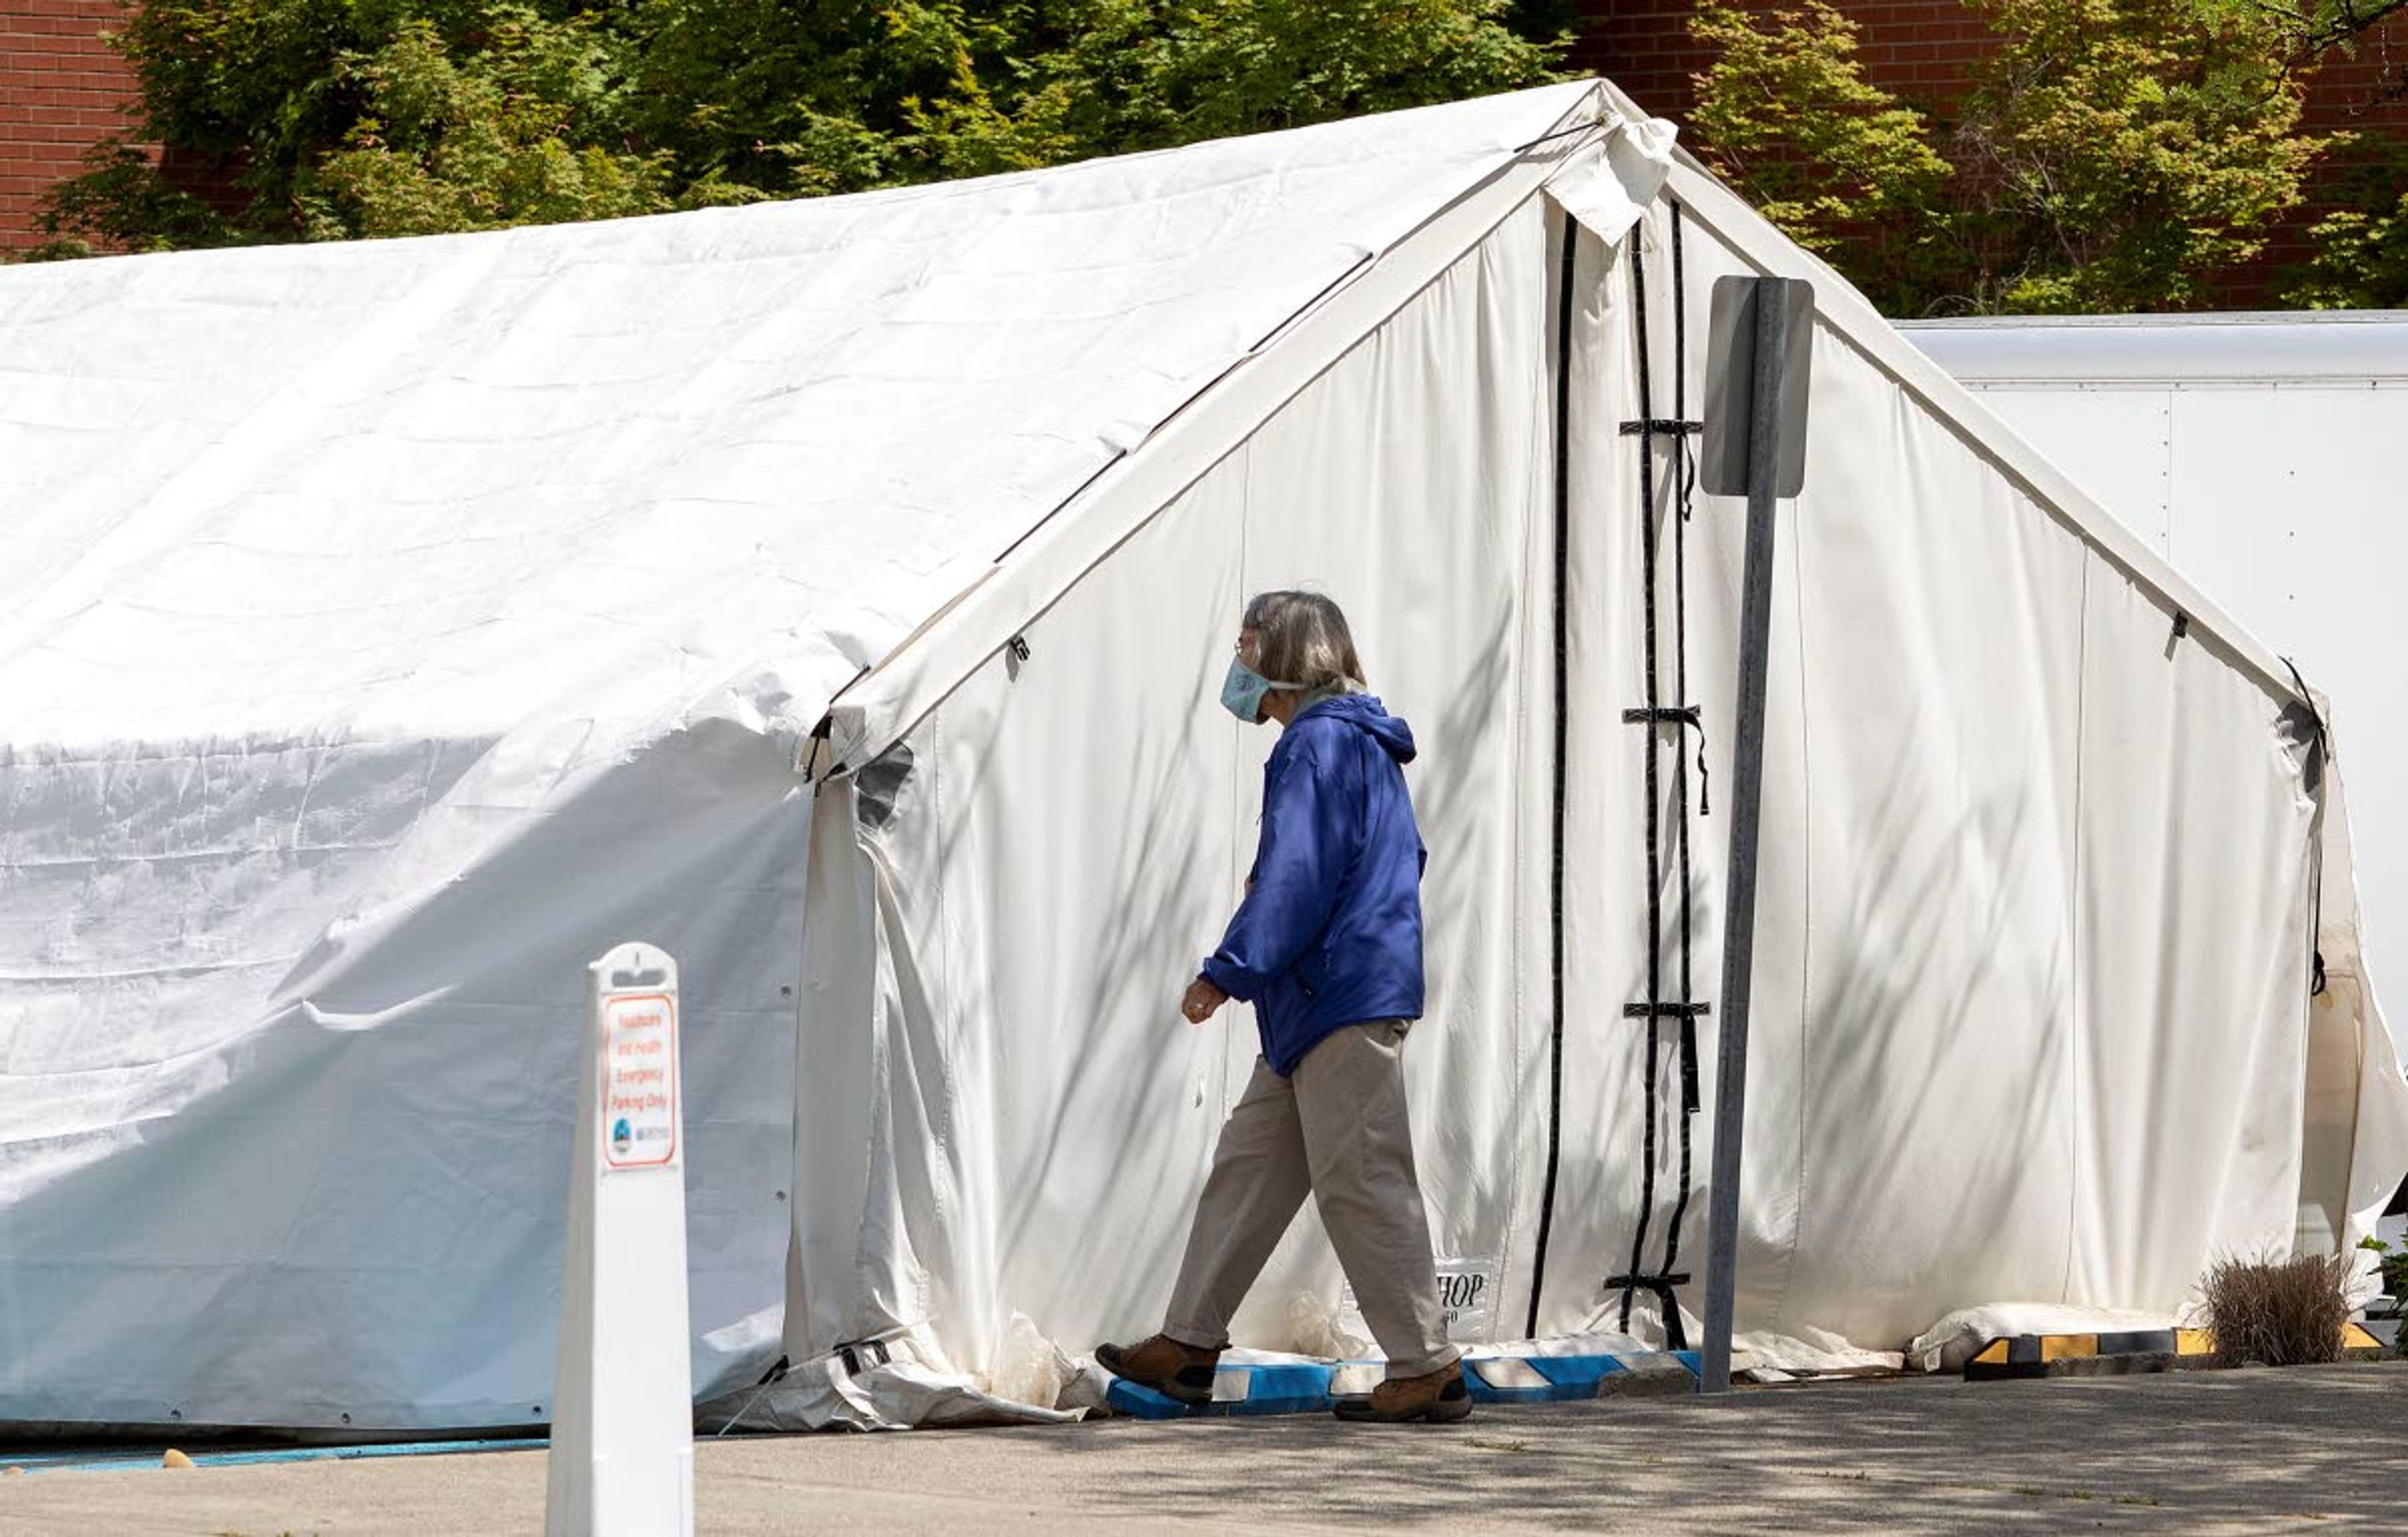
(1923, 51)
(61, 88)
(1920, 50)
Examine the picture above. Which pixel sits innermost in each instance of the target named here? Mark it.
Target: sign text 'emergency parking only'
(640, 1080)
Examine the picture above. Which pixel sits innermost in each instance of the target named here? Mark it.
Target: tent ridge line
(1334, 285)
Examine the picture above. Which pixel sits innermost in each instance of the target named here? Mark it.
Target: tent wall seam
(1568, 266)
(1799, 588)
(1535, 556)
(2077, 1016)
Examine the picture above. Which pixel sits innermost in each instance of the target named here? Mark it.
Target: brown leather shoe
(1439, 1396)
(1176, 1370)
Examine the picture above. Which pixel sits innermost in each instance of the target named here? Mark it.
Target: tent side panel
(1076, 826)
(326, 1186)
(2357, 1133)
(1416, 485)
(1914, 952)
(2028, 1015)
(1063, 877)
(1939, 665)
(848, 1262)
(2197, 842)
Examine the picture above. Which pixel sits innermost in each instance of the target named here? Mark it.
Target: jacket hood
(1365, 712)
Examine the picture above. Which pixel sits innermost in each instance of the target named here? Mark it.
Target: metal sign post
(621, 1457)
(1755, 442)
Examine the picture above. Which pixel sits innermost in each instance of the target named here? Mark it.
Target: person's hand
(1203, 1000)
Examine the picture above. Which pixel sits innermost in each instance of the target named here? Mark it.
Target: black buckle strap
(860, 1356)
(1658, 426)
(1688, 717)
(1676, 1336)
(1688, 1014)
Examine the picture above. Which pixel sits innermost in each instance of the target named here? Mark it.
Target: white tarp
(394, 627)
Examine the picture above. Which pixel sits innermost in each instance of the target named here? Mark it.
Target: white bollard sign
(621, 1459)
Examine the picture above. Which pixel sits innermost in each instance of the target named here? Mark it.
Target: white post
(621, 1459)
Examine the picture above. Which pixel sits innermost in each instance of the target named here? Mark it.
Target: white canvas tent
(833, 593)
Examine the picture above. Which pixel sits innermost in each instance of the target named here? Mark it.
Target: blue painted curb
(1304, 1387)
(129, 1458)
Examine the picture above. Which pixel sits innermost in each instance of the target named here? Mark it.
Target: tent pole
(1747, 785)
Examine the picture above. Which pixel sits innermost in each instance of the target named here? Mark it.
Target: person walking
(1327, 947)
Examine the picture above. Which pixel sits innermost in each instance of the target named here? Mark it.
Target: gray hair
(1302, 639)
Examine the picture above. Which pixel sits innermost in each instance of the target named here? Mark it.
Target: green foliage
(120, 202)
(2110, 154)
(504, 134)
(2307, 31)
(2361, 260)
(1786, 112)
(780, 97)
(866, 95)
(2394, 1266)
(2122, 154)
(391, 117)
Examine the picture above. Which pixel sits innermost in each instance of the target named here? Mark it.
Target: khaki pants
(1338, 1129)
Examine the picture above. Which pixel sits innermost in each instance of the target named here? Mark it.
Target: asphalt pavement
(2316, 1449)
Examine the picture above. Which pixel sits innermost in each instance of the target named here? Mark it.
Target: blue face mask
(1242, 691)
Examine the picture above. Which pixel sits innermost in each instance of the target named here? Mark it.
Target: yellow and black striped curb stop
(2109, 1355)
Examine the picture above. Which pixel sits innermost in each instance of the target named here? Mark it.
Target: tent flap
(1608, 192)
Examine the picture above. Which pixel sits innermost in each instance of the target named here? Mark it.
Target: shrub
(2281, 1312)
(2394, 1265)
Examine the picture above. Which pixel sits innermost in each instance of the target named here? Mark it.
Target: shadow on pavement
(2193, 1452)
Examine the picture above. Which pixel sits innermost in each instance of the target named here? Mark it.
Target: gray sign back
(1731, 364)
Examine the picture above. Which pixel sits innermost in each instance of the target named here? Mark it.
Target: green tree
(503, 136)
(2122, 154)
(1787, 113)
(2361, 237)
(120, 202)
(2361, 244)
(776, 98)
(2310, 30)
(378, 117)
(2110, 154)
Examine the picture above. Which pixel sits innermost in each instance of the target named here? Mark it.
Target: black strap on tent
(1657, 1009)
(1667, 1010)
(1563, 717)
(2318, 980)
(1689, 485)
(1631, 1279)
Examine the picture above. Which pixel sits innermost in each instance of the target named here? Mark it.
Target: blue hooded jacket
(1330, 932)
